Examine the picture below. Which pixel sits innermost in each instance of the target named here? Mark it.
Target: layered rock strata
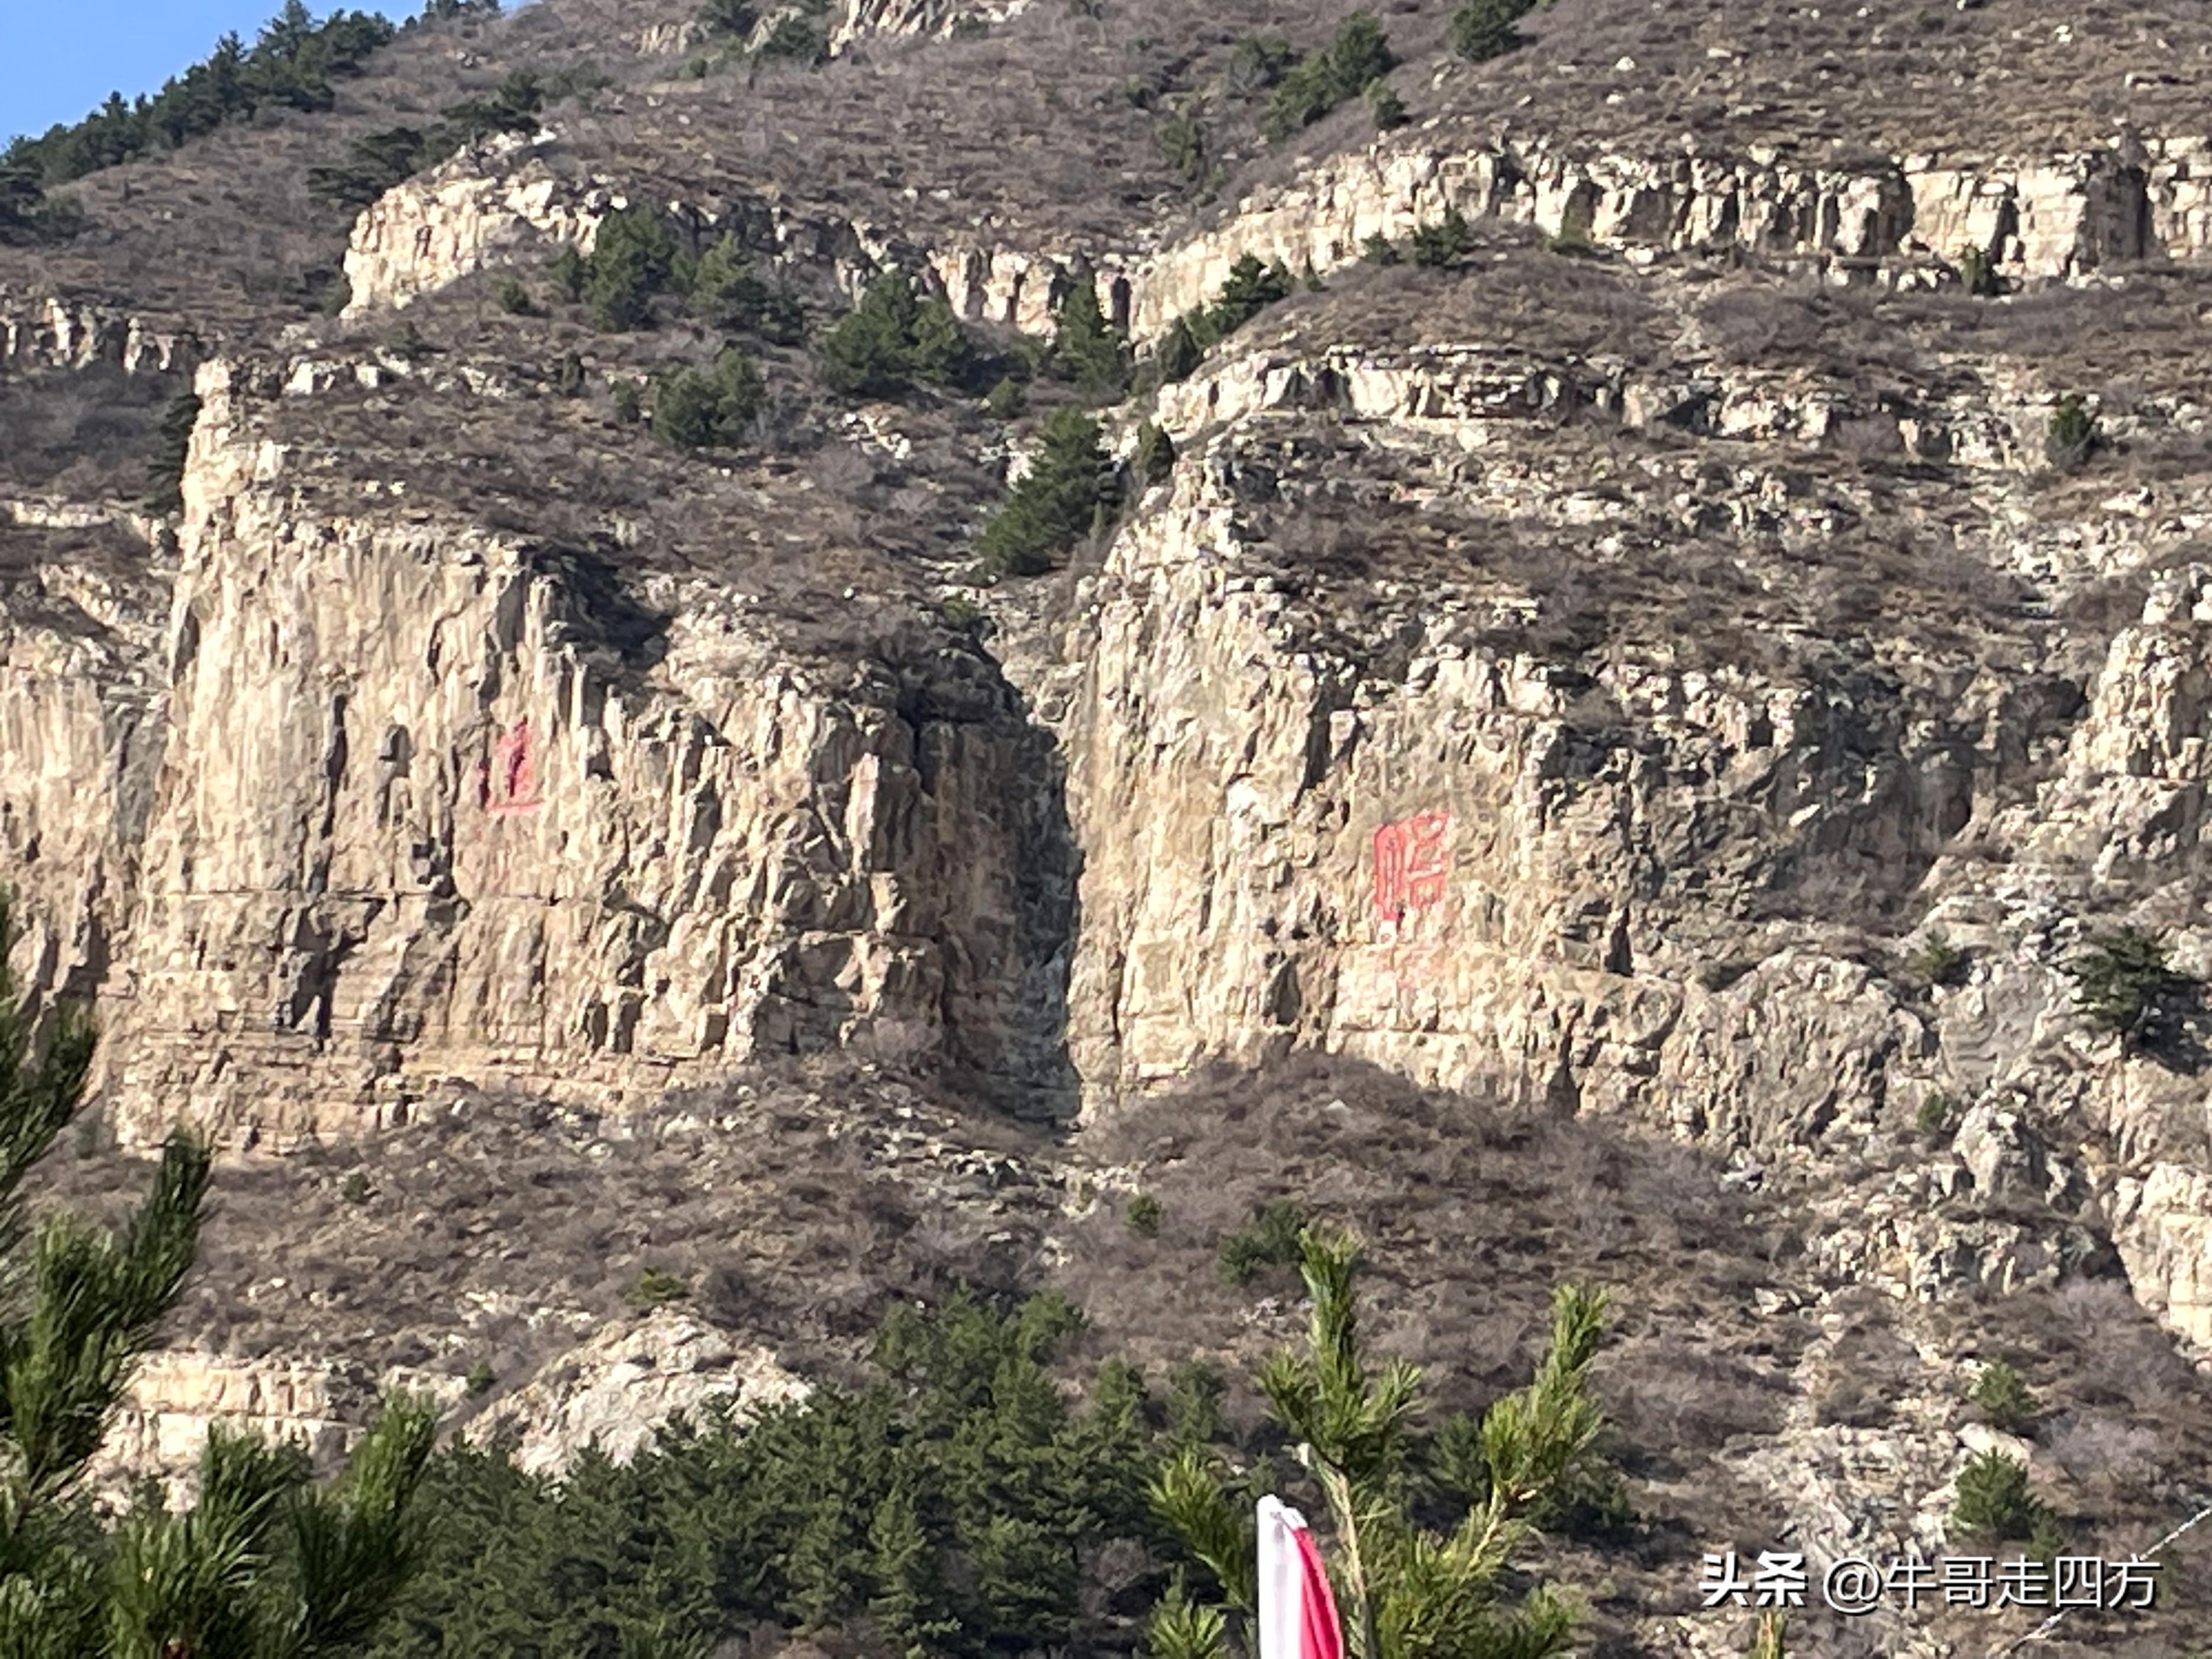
(1912, 218)
(401, 798)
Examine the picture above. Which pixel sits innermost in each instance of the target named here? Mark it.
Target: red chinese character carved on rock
(1411, 868)
(511, 780)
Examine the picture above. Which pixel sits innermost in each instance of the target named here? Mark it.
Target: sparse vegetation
(1938, 962)
(2124, 985)
(1068, 495)
(1995, 1502)
(1380, 250)
(165, 473)
(2070, 437)
(514, 299)
(1360, 56)
(1937, 1116)
(1483, 29)
(655, 1287)
(1275, 1239)
(709, 408)
(2004, 1400)
(1143, 1215)
(480, 1379)
(356, 1189)
(376, 163)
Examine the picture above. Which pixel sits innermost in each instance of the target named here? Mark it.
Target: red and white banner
(1297, 1610)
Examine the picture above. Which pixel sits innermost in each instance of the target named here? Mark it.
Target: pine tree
(1407, 1592)
(724, 291)
(1250, 288)
(733, 20)
(631, 260)
(1389, 109)
(266, 1563)
(2123, 984)
(569, 273)
(1086, 347)
(165, 472)
(1063, 499)
(22, 195)
(1180, 353)
(1154, 462)
(940, 351)
(894, 337)
(870, 350)
(699, 409)
(910, 1601)
(1443, 243)
(1483, 29)
(1359, 55)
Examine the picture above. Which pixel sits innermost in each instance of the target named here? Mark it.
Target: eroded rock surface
(1658, 666)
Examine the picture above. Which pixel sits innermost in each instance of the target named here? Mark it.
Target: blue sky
(64, 57)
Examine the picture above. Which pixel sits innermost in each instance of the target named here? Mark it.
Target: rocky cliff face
(45, 331)
(400, 799)
(2033, 217)
(1659, 672)
(1911, 220)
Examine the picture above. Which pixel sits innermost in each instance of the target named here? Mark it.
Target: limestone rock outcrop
(46, 331)
(857, 20)
(617, 1388)
(491, 202)
(1909, 220)
(400, 799)
(1438, 871)
(1465, 392)
(2056, 217)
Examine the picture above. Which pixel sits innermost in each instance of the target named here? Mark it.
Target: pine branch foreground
(267, 1564)
(1407, 1592)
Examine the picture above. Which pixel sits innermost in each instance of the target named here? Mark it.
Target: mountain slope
(1677, 613)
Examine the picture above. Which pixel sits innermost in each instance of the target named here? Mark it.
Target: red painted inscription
(1411, 867)
(511, 779)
